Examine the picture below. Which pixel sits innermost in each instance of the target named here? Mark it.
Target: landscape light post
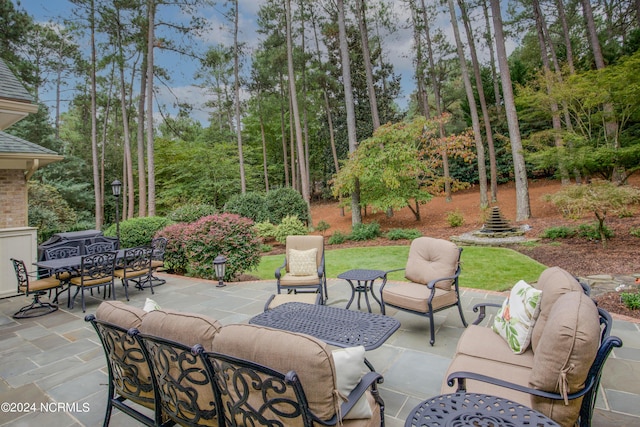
(219, 264)
(116, 188)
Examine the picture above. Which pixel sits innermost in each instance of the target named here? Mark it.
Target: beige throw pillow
(303, 263)
(349, 364)
(514, 322)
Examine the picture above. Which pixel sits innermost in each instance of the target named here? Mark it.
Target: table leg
(353, 294)
(374, 295)
(364, 289)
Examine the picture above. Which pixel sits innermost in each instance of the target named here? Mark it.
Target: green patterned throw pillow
(303, 263)
(514, 322)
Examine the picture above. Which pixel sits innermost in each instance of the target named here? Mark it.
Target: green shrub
(265, 230)
(265, 248)
(561, 232)
(635, 231)
(631, 300)
(223, 234)
(455, 218)
(175, 259)
(322, 227)
(250, 205)
(191, 212)
(290, 226)
(591, 232)
(337, 237)
(363, 231)
(138, 231)
(284, 202)
(403, 233)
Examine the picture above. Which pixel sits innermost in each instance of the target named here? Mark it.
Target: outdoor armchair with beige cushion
(559, 373)
(35, 288)
(303, 269)
(433, 268)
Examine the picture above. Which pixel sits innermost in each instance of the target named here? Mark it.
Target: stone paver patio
(57, 358)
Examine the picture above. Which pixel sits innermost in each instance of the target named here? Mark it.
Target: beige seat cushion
(414, 296)
(484, 343)
(290, 280)
(553, 282)
(565, 353)
(512, 373)
(307, 298)
(431, 259)
(186, 328)
(285, 351)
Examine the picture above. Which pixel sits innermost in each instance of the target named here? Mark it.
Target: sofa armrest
(482, 308)
(369, 380)
(461, 376)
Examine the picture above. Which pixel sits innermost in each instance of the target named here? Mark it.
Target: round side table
(473, 409)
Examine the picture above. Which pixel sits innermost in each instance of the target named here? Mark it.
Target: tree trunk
(283, 133)
(366, 58)
(304, 176)
(97, 188)
(438, 101)
(567, 35)
(356, 216)
(555, 112)
(483, 102)
(142, 180)
(523, 208)
(128, 162)
(327, 106)
(151, 194)
(421, 92)
(492, 58)
(473, 109)
(236, 89)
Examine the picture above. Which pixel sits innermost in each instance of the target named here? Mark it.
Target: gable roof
(15, 102)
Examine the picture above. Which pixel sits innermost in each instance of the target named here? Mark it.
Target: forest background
(313, 105)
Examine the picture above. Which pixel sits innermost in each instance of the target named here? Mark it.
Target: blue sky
(396, 48)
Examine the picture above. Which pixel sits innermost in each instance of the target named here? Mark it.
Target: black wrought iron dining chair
(159, 246)
(35, 288)
(96, 270)
(64, 276)
(136, 268)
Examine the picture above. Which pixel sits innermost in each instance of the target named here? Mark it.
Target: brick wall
(13, 198)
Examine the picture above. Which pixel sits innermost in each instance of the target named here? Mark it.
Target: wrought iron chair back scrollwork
(35, 288)
(252, 394)
(159, 246)
(63, 275)
(136, 268)
(62, 252)
(95, 271)
(99, 247)
(185, 387)
(129, 373)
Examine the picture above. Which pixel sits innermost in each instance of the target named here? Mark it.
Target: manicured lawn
(482, 267)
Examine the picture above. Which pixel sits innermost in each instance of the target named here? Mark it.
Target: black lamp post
(116, 188)
(219, 264)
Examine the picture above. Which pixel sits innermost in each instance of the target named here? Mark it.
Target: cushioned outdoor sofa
(559, 371)
(184, 367)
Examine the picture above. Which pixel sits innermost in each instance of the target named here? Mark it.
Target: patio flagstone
(57, 358)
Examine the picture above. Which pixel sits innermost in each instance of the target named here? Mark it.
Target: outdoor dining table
(335, 326)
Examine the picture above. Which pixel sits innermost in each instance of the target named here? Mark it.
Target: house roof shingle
(10, 86)
(13, 144)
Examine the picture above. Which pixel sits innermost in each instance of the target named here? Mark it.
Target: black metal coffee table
(473, 409)
(335, 326)
(364, 284)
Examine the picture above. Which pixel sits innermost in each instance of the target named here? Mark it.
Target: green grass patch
(482, 267)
